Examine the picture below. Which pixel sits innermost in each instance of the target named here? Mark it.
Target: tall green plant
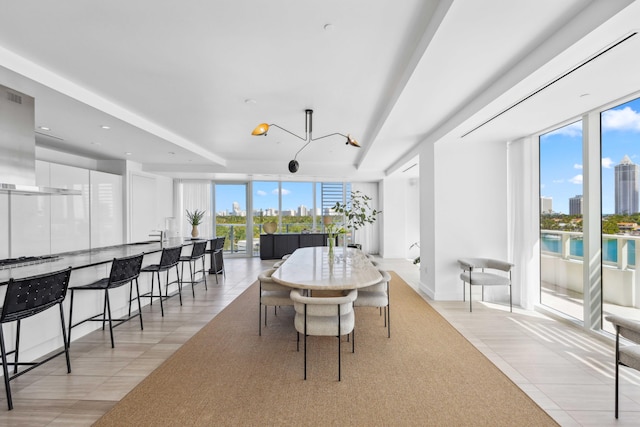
(358, 212)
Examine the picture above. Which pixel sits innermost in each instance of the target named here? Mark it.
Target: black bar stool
(123, 270)
(168, 260)
(197, 253)
(218, 261)
(25, 298)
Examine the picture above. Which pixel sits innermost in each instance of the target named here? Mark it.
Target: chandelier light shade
(263, 128)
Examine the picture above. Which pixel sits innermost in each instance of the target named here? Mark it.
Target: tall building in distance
(626, 187)
(546, 205)
(575, 205)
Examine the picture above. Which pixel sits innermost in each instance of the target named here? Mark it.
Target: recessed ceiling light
(44, 128)
(329, 27)
(172, 153)
(95, 143)
(250, 101)
(105, 127)
(128, 153)
(584, 94)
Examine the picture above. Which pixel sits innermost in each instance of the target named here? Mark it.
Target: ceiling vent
(554, 81)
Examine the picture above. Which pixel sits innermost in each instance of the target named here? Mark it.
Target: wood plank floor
(568, 372)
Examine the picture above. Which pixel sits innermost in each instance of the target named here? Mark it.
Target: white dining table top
(311, 268)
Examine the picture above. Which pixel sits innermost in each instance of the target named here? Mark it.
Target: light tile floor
(569, 372)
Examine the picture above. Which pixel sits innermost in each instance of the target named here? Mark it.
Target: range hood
(18, 146)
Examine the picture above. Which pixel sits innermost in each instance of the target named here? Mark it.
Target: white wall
(469, 184)
(400, 216)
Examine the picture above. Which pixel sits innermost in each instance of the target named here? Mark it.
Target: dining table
(319, 268)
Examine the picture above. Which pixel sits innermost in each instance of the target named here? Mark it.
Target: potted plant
(333, 230)
(358, 212)
(416, 260)
(195, 218)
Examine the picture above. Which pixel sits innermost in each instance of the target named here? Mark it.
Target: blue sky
(265, 195)
(561, 156)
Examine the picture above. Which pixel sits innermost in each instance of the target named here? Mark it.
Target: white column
(592, 267)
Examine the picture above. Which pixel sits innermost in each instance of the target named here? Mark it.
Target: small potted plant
(195, 218)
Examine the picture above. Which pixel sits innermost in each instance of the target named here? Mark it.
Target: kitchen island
(42, 334)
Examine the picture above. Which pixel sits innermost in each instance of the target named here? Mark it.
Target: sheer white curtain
(523, 217)
(369, 235)
(195, 195)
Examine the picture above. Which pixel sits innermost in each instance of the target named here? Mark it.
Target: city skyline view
(561, 173)
(265, 196)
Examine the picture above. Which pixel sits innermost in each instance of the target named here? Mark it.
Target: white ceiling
(172, 79)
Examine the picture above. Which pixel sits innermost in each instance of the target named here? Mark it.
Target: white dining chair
(324, 316)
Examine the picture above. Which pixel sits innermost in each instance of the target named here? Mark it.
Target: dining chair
(271, 294)
(25, 298)
(628, 355)
(197, 253)
(485, 272)
(168, 260)
(377, 296)
(124, 271)
(324, 316)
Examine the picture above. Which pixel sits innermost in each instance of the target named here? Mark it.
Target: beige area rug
(426, 374)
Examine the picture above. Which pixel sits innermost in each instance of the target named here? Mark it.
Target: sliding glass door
(620, 129)
(231, 217)
(561, 238)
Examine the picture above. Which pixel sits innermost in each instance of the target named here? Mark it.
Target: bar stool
(169, 259)
(218, 251)
(123, 270)
(25, 298)
(197, 253)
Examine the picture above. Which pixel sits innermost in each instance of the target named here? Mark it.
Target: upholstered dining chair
(197, 254)
(628, 355)
(124, 271)
(271, 294)
(168, 261)
(25, 298)
(377, 296)
(485, 272)
(324, 316)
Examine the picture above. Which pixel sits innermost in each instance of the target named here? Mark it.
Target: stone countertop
(89, 257)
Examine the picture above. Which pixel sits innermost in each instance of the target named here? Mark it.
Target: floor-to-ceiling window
(297, 207)
(561, 191)
(620, 145)
(231, 217)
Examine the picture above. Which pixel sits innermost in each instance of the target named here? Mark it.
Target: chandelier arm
(326, 136)
(289, 132)
(303, 147)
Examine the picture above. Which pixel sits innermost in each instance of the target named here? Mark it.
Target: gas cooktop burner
(26, 260)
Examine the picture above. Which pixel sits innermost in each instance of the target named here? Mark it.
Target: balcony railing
(617, 250)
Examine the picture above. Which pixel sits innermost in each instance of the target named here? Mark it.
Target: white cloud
(607, 163)
(577, 166)
(625, 119)
(576, 179)
(284, 192)
(261, 193)
(574, 129)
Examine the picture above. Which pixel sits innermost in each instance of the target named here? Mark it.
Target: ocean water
(552, 242)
